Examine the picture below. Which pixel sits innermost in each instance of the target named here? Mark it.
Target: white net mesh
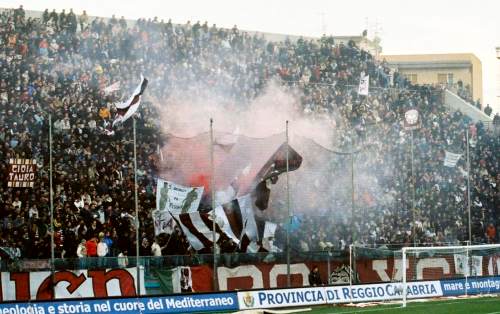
(461, 270)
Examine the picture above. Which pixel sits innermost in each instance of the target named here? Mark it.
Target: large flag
(364, 85)
(451, 159)
(127, 108)
(239, 167)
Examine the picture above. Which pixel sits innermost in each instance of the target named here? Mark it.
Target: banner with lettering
(22, 173)
(177, 199)
(98, 283)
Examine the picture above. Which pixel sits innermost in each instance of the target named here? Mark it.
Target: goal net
(459, 270)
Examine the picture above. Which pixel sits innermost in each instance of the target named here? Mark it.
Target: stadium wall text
(268, 275)
(23, 286)
(170, 304)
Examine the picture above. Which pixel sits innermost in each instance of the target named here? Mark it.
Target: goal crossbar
(444, 248)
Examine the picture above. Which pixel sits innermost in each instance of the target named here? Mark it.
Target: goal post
(457, 264)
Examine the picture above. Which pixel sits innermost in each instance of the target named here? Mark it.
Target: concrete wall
(455, 103)
(464, 66)
(430, 76)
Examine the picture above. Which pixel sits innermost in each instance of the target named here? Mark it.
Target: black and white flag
(234, 221)
(127, 108)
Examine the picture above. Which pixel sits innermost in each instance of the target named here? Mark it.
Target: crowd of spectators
(59, 64)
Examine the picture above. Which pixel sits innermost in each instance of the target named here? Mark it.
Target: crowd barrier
(259, 299)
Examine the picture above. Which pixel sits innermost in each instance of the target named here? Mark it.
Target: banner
(488, 285)
(177, 199)
(333, 295)
(22, 173)
(468, 266)
(281, 298)
(100, 283)
(195, 303)
(451, 159)
(268, 275)
(364, 85)
(173, 199)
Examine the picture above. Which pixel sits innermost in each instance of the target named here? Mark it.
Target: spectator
(488, 110)
(123, 259)
(314, 277)
(491, 233)
(91, 246)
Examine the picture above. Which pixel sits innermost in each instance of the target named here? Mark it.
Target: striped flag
(240, 219)
(451, 159)
(127, 108)
(197, 227)
(235, 221)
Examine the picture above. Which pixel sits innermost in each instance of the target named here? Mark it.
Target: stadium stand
(61, 63)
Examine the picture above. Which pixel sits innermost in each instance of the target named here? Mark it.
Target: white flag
(451, 159)
(248, 217)
(162, 221)
(269, 230)
(364, 85)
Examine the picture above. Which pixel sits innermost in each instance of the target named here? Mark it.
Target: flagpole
(212, 183)
(51, 193)
(468, 186)
(413, 181)
(352, 192)
(138, 270)
(288, 281)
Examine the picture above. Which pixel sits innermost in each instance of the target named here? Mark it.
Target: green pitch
(485, 305)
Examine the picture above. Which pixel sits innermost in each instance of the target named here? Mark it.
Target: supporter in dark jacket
(314, 277)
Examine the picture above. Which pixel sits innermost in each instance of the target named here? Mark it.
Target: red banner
(267, 275)
(24, 286)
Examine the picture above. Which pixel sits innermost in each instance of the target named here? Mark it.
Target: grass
(483, 305)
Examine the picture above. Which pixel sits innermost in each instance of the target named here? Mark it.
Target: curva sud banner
(334, 295)
(272, 275)
(23, 286)
(146, 305)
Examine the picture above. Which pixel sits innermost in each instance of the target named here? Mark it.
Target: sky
(405, 27)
